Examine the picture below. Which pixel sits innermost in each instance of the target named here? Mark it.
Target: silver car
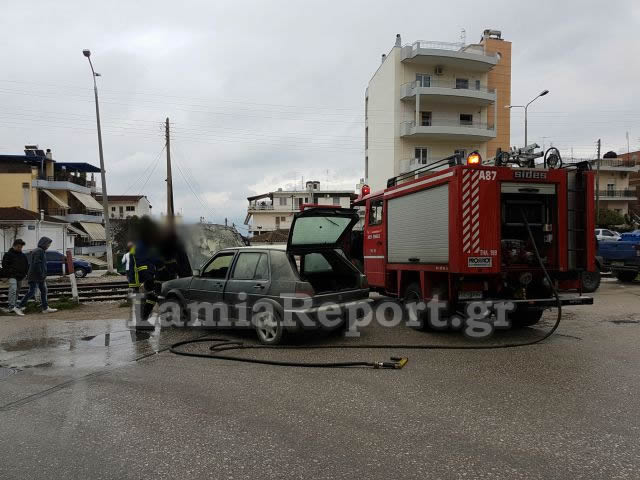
(276, 289)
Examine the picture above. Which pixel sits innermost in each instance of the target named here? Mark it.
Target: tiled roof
(18, 213)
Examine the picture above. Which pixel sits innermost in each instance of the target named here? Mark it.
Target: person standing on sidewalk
(37, 276)
(15, 267)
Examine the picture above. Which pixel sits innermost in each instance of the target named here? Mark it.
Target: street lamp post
(105, 202)
(526, 107)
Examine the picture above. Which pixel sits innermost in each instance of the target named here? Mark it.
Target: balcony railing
(447, 123)
(627, 193)
(446, 84)
(261, 207)
(63, 212)
(62, 177)
(454, 46)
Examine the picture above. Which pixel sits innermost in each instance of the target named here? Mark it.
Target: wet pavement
(87, 398)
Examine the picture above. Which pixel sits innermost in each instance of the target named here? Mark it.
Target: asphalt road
(92, 400)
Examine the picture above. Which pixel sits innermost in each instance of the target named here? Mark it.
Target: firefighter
(141, 275)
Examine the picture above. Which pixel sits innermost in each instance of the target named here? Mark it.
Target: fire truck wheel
(626, 276)
(590, 281)
(525, 318)
(413, 295)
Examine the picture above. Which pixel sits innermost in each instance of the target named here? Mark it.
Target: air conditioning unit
(439, 70)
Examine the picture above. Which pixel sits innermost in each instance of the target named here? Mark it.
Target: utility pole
(598, 185)
(105, 199)
(170, 211)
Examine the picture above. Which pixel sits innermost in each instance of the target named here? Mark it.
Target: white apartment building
(273, 211)
(429, 100)
(127, 206)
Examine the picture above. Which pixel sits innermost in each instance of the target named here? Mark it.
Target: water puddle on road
(87, 352)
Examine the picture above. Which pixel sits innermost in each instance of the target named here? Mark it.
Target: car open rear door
(320, 228)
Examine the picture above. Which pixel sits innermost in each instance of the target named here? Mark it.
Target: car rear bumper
(534, 303)
(326, 317)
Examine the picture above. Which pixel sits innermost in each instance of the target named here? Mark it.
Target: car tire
(591, 281)
(80, 272)
(268, 326)
(525, 318)
(626, 276)
(185, 316)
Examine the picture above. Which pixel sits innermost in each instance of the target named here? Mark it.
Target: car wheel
(590, 281)
(525, 318)
(626, 276)
(269, 327)
(80, 272)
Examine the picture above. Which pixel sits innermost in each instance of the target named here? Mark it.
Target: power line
(154, 162)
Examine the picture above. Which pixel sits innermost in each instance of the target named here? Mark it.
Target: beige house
(63, 190)
(428, 100)
(618, 177)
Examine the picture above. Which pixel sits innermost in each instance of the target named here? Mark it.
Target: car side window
(262, 270)
(246, 265)
(52, 256)
(219, 266)
(375, 212)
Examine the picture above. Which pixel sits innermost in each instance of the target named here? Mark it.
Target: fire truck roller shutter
(419, 226)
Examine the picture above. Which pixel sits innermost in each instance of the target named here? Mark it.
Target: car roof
(256, 247)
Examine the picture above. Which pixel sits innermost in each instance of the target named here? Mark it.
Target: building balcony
(448, 92)
(88, 216)
(66, 182)
(621, 195)
(455, 55)
(442, 130)
(615, 165)
(271, 208)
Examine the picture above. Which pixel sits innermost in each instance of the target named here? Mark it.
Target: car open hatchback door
(320, 228)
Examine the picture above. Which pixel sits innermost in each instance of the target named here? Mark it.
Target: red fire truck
(463, 231)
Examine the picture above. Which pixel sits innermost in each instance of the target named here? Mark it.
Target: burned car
(310, 283)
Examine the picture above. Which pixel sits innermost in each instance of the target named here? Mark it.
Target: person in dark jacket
(37, 276)
(15, 266)
(141, 276)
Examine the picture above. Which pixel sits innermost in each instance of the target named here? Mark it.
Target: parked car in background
(604, 235)
(623, 256)
(55, 260)
(312, 265)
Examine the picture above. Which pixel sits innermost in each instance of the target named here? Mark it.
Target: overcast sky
(263, 93)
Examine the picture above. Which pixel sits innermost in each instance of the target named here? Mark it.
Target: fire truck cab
(458, 231)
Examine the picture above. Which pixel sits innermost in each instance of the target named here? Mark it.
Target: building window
(113, 209)
(421, 155)
(462, 83)
(130, 208)
(466, 119)
(283, 219)
(461, 152)
(366, 137)
(366, 167)
(477, 84)
(336, 200)
(283, 201)
(425, 119)
(611, 187)
(423, 80)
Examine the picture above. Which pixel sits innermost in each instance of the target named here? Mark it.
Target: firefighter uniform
(141, 276)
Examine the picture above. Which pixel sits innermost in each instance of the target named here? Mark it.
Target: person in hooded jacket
(15, 266)
(36, 277)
